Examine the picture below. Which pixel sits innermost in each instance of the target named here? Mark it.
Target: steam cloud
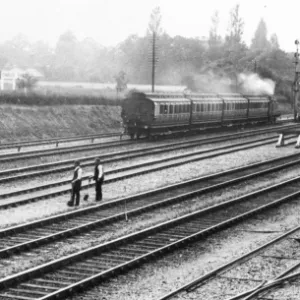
(245, 83)
(252, 83)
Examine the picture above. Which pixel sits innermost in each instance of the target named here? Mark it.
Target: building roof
(18, 72)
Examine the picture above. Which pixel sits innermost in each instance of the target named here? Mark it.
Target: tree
(214, 40)
(260, 41)
(65, 54)
(274, 42)
(155, 22)
(235, 28)
(121, 81)
(26, 82)
(214, 37)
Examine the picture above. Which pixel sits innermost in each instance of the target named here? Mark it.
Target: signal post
(296, 82)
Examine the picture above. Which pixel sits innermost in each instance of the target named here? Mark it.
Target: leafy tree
(215, 40)
(26, 82)
(260, 41)
(65, 54)
(274, 42)
(214, 37)
(154, 25)
(235, 28)
(121, 81)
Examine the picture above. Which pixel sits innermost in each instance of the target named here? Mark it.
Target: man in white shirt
(76, 184)
(99, 178)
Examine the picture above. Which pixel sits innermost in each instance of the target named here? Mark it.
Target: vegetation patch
(35, 122)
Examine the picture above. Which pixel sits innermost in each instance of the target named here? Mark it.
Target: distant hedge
(37, 99)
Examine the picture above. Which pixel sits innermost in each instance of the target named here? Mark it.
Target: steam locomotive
(153, 114)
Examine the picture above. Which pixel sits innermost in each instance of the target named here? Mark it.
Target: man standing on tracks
(99, 178)
(76, 185)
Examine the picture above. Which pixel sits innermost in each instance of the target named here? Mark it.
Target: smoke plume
(252, 83)
(221, 82)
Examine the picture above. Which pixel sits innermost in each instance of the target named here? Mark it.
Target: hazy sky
(111, 21)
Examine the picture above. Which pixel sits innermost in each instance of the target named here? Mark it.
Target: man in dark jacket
(99, 178)
(76, 184)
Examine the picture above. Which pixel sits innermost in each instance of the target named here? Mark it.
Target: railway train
(153, 114)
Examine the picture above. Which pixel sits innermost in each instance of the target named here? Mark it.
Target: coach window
(165, 109)
(171, 109)
(161, 109)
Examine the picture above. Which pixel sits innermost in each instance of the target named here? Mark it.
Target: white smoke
(252, 83)
(211, 82)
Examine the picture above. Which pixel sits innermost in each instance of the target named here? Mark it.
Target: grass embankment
(21, 123)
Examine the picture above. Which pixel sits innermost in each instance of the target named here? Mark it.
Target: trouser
(76, 193)
(98, 188)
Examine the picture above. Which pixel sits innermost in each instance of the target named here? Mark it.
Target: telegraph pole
(296, 81)
(153, 61)
(154, 28)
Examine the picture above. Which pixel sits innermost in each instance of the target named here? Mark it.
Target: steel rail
(129, 251)
(80, 148)
(129, 174)
(138, 207)
(67, 139)
(181, 145)
(57, 140)
(195, 283)
(266, 286)
(153, 149)
(111, 158)
(8, 157)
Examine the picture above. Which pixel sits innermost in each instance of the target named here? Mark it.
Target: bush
(37, 99)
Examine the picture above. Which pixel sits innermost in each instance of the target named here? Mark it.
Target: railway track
(8, 157)
(277, 261)
(260, 284)
(73, 273)
(285, 287)
(143, 202)
(20, 197)
(56, 141)
(67, 165)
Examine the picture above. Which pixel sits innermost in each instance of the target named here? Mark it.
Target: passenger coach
(156, 113)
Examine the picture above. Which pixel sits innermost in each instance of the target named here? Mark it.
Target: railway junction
(188, 192)
(196, 195)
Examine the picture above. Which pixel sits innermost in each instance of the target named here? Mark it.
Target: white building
(9, 77)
